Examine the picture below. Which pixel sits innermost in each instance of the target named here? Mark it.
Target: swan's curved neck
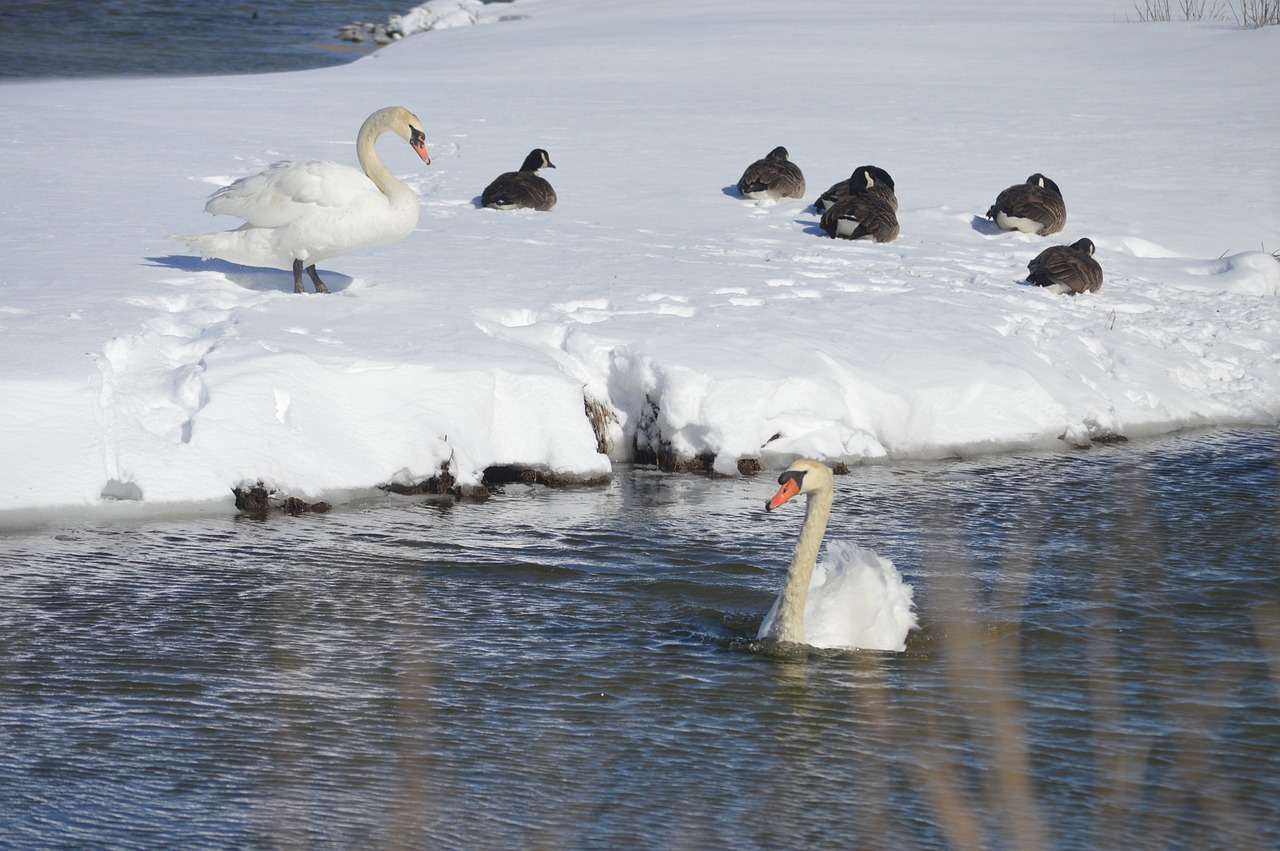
(367, 153)
(788, 625)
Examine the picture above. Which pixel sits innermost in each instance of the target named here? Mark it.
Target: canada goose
(773, 177)
(1032, 207)
(861, 215)
(1067, 269)
(513, 190)
(865, 178)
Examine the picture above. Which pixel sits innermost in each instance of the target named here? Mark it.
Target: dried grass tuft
(600, 415)
(1254, 14)
(1250, 14)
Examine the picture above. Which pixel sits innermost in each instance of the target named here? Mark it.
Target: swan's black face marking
(418, 140)
(789, 483)
(796, 476)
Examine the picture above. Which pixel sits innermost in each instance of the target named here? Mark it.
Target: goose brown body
(1035, 206)
(865, 215)
(774, 176)
(514, 190)
(1067, 268)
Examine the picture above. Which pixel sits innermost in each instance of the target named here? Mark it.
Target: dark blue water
(1097, 667)
(39, 38)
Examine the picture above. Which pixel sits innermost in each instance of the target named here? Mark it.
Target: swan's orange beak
(419, 141)
(790, 487)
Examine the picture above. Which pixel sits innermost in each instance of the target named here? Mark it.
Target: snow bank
(438, 15)
(432, 15)
(707, 325)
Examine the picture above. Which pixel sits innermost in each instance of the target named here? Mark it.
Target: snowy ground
(134, 373)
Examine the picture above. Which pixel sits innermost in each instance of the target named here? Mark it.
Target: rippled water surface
(42, 38)
(1097, 667)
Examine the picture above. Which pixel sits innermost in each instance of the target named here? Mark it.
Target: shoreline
(268, 501)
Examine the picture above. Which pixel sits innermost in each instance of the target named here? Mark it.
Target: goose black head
(875, 176)
(538, 158)
(1040, 180)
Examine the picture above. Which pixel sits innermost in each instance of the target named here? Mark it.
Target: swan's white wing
(858, 599)
(292, 189)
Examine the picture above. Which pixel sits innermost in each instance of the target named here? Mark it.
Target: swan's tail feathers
(199, 241)
(245, 246)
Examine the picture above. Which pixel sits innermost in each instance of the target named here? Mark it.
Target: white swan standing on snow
(854, 599)
(299, 212)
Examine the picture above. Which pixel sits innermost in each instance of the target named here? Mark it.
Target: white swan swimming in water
(854, 599)
(299, 212)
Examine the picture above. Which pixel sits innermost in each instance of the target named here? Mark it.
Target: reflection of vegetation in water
(1159, 721)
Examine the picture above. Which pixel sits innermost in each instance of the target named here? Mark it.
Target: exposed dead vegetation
(257, 500)
(493, 480)
(496, 477)
(649, 448)
(443, 482)
(1250, 14)
(600, 416)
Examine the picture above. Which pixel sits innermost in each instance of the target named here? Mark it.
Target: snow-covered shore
(706, 324)
(432, 15)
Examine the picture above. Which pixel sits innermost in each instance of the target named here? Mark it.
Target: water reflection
(1096, 667)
